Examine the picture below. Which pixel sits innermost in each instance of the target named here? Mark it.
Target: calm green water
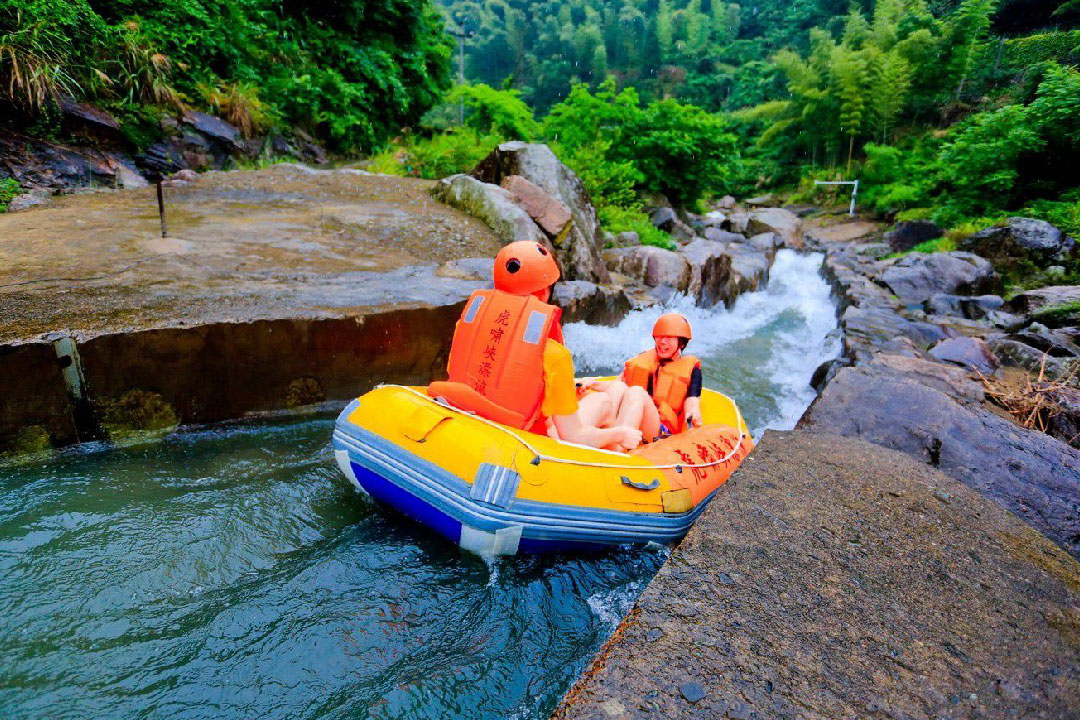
(235, 574)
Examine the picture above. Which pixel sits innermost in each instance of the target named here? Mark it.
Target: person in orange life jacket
(659, 390)
(507, 361)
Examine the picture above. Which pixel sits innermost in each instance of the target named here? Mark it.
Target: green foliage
(941, 244)
(9, 188)
(1058, 315)
(443, 154)
(616, 219)
(1063, 213)
(499, 112)
(352, 72)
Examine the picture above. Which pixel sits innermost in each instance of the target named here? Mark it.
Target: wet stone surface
(835, 579)
(286, 241)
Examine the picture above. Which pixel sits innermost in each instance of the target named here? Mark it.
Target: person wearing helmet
(507, 361)
(659, 390)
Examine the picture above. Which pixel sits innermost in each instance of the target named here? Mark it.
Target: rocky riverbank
(865, 564)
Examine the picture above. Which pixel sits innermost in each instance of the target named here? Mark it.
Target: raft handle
(640, 485)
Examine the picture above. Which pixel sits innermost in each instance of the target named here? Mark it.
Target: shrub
(239, 103)
(498, 112)
(616, 219)
(9, 188)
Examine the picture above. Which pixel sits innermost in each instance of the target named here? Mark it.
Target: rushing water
(762, 352)
(233, 573)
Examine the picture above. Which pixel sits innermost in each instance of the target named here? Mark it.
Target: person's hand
(594, 385)
(692, 410)
(626, 438)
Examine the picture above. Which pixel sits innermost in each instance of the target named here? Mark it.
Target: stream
(232, 572)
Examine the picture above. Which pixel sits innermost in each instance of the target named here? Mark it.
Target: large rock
(1013, 353)
(832, 579)
(949, 379)
(584, 301)
(966, 351)
(778, 220)
(549, 213)
(214, 127)
(1033, 300)
(493, 205)
(766, 242)
(906, 235)
(651, 265)
(869, 329)
(710, 271)
(1029, 473)
(25, 202)
(749, 270)
(717, 235)
(1020, 239)
(577, 249)
(914, 278)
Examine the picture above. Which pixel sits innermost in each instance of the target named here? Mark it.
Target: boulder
(914, 278)
(967, 352)
(1032, 300)
(767, 200)
(870, 329)
(25, 202)
(1020, 239)
(1014, 353)
(739, 222)
(214, 128)
(714, 218)
(549, 213)
(1064, 423)
(906, 235)
(766, 242)
(1056, 343)
(778, 220)
(651, 265)
(584, 301)
(578, 247)
(493, 205)
(89, 117)
(663, 218)
(187, 175)
(710, 271)
(749, 270)
(726, 203)
(951, 380)
(722, 236)
(972, 308)
(627, 238)
(1029, 473)
(681, 231)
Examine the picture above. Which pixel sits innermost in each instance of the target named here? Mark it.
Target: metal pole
(461, 77)
(161, 209)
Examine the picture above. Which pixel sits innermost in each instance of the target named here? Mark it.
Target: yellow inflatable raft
(496, 490)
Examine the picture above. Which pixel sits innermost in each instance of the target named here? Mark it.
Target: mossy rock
(137, 415)
(1058, 315)
(304, 391)
(30, 440)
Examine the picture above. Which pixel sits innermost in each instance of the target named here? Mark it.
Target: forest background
(961, 111)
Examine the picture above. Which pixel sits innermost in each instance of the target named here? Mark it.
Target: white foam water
(761, 352)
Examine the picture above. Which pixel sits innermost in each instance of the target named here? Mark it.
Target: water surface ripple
(232, 573)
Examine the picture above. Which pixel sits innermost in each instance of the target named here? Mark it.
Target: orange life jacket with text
(496, 361)
(670, 383)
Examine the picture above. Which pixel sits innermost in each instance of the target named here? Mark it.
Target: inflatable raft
(496, 490)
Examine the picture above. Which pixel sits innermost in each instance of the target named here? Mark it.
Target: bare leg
(637, 410)
(596, 409)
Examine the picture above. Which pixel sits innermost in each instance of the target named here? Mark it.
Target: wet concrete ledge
(839, 579)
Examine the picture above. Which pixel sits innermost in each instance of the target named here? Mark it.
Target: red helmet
(672, 325)
(523, 267)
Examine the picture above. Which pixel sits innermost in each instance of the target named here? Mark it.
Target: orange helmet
(672, 325)
(523, 267)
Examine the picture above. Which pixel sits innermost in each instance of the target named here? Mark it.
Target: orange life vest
(670, 383)
(496, 362)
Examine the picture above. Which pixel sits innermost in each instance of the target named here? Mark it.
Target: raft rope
(677, 467)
